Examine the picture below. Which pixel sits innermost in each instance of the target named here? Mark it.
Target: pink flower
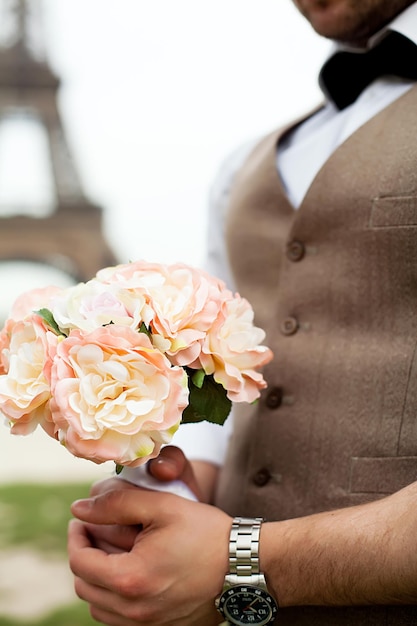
(24, 306)
(5, 336)
(104, 365)
(185, 302)
(24, 388)
(115, 397)
(231, 351)
(33, 300)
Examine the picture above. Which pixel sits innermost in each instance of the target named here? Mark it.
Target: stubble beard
(351, 21)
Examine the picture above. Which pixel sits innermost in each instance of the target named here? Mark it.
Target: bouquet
(112, 366)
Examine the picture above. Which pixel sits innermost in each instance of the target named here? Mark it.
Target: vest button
(274, 398)
(261, 478)
(289, 326)
(295, 250)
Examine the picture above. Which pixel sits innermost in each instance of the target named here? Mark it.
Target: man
(329, 455)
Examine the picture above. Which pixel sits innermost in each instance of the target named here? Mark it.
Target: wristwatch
(245, 598)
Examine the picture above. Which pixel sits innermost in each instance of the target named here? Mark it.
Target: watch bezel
(256, 591)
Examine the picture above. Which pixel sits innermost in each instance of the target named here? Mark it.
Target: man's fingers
(111, 619)
(78, 535)
(108, 484)
(81, 551)
(91, 564)
(112, 538)
(124, 506)
(105, 606)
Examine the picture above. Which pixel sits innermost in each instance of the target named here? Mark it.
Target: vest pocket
(381, 474)
(393, 212)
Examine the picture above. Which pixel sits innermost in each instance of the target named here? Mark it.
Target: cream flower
(185, 302)
(104, 365)
(23, 307)
(231, 351)
(87, 306)
(115, 397)
(24, 388)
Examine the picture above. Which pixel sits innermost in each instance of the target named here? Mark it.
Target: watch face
(243, 604)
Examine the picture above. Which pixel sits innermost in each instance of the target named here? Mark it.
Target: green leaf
(198, 378)
(208, 402)
(47, 316)
(118, 468)
(145, 330)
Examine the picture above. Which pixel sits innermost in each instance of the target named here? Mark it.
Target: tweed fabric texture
(334, 284)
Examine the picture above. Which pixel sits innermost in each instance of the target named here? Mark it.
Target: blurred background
(151, 98)
(115, 116)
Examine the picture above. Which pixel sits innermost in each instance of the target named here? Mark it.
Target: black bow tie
(346, 74)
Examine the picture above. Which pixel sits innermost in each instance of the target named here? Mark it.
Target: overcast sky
(155, 94)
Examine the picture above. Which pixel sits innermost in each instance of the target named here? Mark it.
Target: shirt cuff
(204, 441)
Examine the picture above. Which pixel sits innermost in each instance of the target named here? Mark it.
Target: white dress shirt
(299, 158)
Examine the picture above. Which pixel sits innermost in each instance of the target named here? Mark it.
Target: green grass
(37, 515)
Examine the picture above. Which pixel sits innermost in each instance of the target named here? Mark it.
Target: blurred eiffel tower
(67, 235)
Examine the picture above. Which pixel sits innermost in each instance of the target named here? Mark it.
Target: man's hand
(171, 464)
(173, 571)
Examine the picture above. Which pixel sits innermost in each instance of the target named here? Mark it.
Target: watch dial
(242, 605)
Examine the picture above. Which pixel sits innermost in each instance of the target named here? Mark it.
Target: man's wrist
(245, 597)
(267, 557)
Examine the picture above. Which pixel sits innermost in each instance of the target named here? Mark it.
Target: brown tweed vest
(334, 284)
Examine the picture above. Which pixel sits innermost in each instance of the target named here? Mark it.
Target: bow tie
(346, 74)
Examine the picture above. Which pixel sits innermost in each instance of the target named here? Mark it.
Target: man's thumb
(172, 464)
(169, 465)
